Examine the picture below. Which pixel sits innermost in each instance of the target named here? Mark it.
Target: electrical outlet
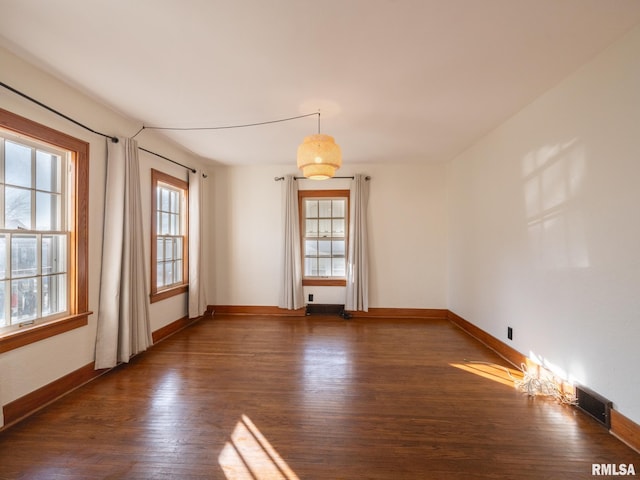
(510, 333)
(311, 297)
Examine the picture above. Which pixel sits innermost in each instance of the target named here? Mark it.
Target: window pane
(60, 262)
(48, 171)
(17, 204)
(175, 202)
(338, 208)
(54, 254)
(178, 272)
(54, 294)
(160, 274)
(159, 248)
(3, 256)
(310, 247)
(168, 248)
(337, 247)
(324, 267)
(311, 228)
(311, 208)
(311, 267)
(47, 255)
(23, 255)
(324, 208)
(47, 211)
(164, 224)
(24, 298)
(337, 229)
(57, 253)
(168, 273)
(324, 247)
(338, 267)
(17, 164)
(164, 199)
(324, 227)
(178, 248)
(175, 224)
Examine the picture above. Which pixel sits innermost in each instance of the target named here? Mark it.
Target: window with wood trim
(43, 231)
(169, 240)
(324, 224)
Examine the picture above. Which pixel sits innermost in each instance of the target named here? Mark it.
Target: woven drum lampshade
(319, 157)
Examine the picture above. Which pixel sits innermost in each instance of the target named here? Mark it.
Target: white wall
(407, 221)
(545, 232)
(28, 368)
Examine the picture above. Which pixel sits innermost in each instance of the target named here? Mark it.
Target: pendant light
(319, 156)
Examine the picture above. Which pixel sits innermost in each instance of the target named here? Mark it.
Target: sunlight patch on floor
(248, 455)
(491, 371)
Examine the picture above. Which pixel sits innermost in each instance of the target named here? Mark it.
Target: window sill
(161, 295)
(35, 333)
(324, 282)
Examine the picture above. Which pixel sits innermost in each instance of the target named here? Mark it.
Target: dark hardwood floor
(253, 397)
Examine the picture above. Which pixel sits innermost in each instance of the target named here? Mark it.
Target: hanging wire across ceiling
(318, 156)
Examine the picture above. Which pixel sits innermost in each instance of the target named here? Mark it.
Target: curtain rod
(113, 139)
(47, 107)
(277, 179)
(193, 170)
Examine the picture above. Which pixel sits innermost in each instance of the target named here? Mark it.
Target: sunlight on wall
(561, 375)
(554, 369)
(248, 455)
(552, 179)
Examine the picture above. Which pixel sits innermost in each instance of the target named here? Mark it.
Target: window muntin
(34, 231)
(324, 224)
(169, 237)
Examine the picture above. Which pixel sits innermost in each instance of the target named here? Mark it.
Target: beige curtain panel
(357, 294)
(124, 327)
(291, 294)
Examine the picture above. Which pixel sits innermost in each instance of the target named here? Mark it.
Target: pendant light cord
(223, 127)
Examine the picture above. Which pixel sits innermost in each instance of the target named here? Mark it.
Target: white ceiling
(394, 80)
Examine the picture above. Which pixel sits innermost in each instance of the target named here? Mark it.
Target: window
(323, 226)
(169, 274)
(43, 231)
(33, 231)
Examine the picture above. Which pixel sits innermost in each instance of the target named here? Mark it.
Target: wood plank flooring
(286, 398)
